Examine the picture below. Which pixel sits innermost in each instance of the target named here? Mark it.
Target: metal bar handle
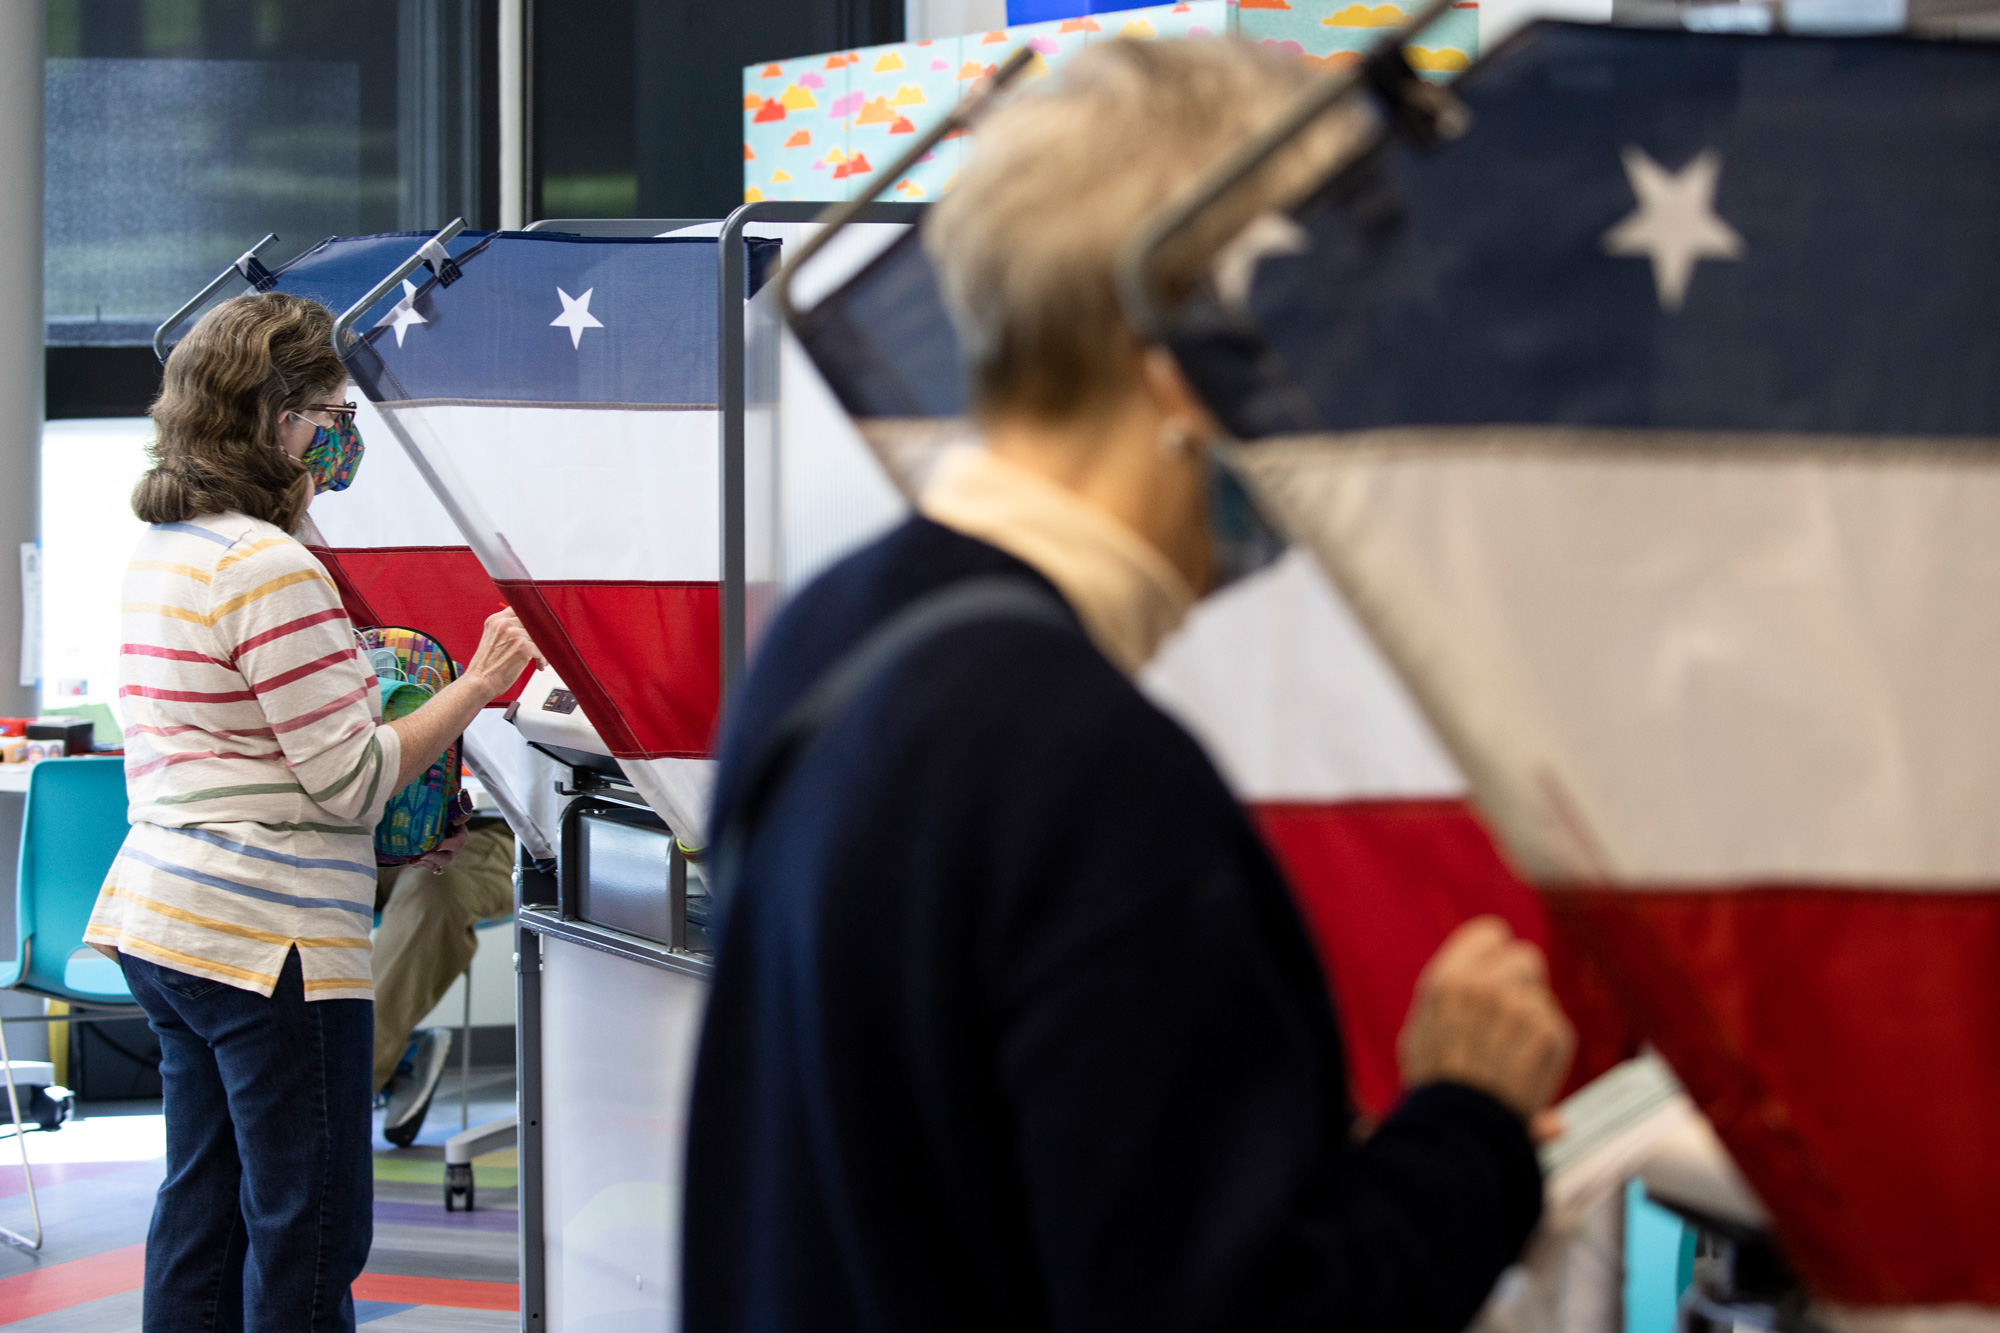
(839, 215)
(1135, 262)
(343, 328)
(245, 267)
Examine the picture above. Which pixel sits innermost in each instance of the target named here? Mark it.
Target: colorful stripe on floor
(95, 1179)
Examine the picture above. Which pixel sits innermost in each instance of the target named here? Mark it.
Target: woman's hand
(1484, 1016)
(442, 855)
(503, 654)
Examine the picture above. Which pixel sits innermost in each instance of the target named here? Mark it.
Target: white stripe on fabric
(1292, 699)
(1684, 667)
(581, 493)
(388, 503)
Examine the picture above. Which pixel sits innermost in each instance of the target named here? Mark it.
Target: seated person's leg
(424, 944)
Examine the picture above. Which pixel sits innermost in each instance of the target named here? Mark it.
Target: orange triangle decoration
(992, 37)
(770, 111)
(773, 72)
(875, 111)
(751, 101)
(903, 126)
(800, 139)
(748, 156)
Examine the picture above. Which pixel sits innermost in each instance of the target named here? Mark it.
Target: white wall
(925, 19)
(88, 532)
(1499, 18)
(492, 985)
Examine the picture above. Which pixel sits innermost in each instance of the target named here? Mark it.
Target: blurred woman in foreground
(1015, 1024)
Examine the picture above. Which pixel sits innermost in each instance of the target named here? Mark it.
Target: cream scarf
(1127, 594)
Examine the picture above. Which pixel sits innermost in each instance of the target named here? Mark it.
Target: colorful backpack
(410, 667)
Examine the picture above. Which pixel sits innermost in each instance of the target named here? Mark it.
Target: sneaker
(410, 1096)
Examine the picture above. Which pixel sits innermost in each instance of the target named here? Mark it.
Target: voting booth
(596, 417)
(1638, 505)
(1637, 400)
(387, 542)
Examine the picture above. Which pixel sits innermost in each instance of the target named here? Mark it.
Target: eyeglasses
(343, 413)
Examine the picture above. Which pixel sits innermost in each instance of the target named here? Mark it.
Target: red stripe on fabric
(1380, 884)
(351, 597)
(277, 632)
(145, 730)
(167, 761)
(643, 659)
(299, 673)
(60, 1286)
(1845, 1043)
(452, 1292)
(171, 654)
(442, 591)
(324, 710)
(186, 696)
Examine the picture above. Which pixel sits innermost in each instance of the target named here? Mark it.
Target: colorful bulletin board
(816, 126)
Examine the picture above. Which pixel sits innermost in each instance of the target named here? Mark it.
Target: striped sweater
(256, 764)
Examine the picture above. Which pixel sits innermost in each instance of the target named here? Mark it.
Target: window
(181, 131)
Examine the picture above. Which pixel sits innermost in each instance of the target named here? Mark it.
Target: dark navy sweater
(1076, 1066)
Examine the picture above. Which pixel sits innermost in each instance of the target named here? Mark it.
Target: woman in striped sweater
(257, 765)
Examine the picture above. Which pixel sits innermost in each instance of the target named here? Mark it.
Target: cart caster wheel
(457, 1185)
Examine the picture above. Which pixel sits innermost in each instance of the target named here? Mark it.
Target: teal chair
(71, 829)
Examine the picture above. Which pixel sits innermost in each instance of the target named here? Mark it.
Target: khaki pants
(426, 938)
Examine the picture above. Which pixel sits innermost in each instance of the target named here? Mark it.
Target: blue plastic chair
(71, 830)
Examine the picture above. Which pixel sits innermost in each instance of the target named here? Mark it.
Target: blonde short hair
(1060, 177)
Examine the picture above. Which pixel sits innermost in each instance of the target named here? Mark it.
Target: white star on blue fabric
(1675, 224)
(405, 313)
(576, 316)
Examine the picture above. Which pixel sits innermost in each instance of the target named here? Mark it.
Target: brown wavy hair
(228, 384)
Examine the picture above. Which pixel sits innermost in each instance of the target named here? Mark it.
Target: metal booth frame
(556, 906)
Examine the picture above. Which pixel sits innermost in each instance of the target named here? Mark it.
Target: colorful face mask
(333, 455)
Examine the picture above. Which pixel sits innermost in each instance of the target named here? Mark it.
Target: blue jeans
(267, 1211)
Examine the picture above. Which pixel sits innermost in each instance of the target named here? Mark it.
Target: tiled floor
(95, 1178)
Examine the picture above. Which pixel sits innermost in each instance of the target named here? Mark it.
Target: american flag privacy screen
(560, 399)
(1650, 429)
(389, 544)
(1317, 735)
(386, 541)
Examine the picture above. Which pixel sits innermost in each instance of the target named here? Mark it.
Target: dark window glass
(181, 131)
(585, 81)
